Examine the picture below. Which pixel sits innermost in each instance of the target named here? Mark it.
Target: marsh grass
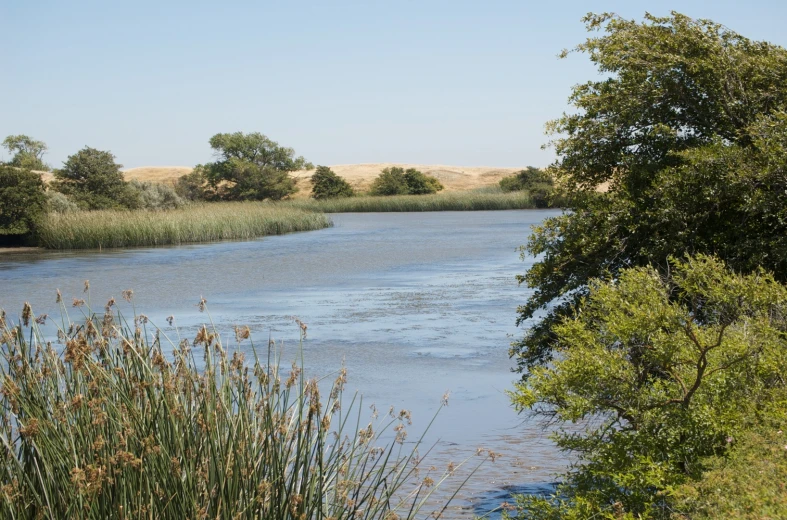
(116, 420)
(190, 224)
(453, 201)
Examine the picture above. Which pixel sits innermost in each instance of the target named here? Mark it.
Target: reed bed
(194, 223)
(452, 201)
(115, 420)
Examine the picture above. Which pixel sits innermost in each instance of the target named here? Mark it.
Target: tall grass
(452, 201)
(194, 223)
(121, 422)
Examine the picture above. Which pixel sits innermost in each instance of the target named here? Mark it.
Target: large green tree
(398, 181)
(688, 132)
(251, 167)
(28, 153)
(22, 200)
(93, 180)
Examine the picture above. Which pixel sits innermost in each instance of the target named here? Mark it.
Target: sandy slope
(360, 176)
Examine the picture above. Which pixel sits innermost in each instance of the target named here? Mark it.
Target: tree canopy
(251, 167)
(93, 180)
(326, 184)
(22, 200)
(28, 153)
(689, 131)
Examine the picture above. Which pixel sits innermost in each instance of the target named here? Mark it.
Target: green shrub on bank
(22, 201)
(327, 185)
(194, 223)
(92, 179)
(122, 422)
(663, 371)
(153, 195)
(397, 181)
(57, 202)
(749, 484)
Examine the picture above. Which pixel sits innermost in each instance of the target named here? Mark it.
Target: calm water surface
(416, 304)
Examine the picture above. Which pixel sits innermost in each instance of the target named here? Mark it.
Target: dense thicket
(398, 181)
(93, 180)
(22, 200)
(327, 185)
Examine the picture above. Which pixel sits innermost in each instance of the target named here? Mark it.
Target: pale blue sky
(454, 82)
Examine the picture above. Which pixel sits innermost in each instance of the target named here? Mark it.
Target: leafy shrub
(93, 180)
(153, 195)
(663, 370)
(22, 200)
(327, 185)
(194, 186)
(526, 179)
(397, 181)
(748, 484)
(59, 203)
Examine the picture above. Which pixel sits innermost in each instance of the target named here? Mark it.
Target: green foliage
(397, 181)
(194, 186)
(527, 179)
(686, 128)
(251, 167)
(153, 195)
(327, 185)
(662, 371)
(747, 485)
(56, 202)
(28, 153)
(193, 223)
(22, 200)
(122, 422)
(93, 180)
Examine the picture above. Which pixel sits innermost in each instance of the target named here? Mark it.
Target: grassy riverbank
(121, 422)
(452, 201)
(195, 223)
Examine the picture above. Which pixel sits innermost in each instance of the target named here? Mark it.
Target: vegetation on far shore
(120, 421)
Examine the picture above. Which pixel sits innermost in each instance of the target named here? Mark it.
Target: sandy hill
(360, 176)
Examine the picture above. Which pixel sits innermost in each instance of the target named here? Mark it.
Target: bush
(93, 180)
(153, 195)
(663, 371)
(22, 200)
(56, 202)
(397, 181)
(327, 185)
(749, 484)
(194, 186)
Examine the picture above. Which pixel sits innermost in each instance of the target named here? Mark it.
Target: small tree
(397, 181)
(28, 153)
(22, 200)
(326, 184)
(93, 180)
(252, 167)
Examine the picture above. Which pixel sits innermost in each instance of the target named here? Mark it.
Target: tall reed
(194, 223)
(452, 201)
(120, 422)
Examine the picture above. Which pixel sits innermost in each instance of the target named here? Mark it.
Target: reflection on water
(414, 303)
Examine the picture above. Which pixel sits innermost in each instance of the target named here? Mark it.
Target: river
(416, 304)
